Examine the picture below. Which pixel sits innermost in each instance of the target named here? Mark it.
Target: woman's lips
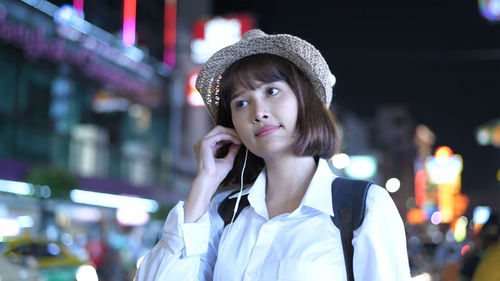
(266, 131)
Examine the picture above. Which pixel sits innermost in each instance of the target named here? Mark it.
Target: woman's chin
(272, 152)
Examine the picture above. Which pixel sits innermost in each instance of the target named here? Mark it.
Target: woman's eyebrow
(236, 94)
(241, 90)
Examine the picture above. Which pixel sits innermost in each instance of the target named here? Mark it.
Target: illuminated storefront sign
(35, 45)
(444, 170)
(437, 190)
(213, 34)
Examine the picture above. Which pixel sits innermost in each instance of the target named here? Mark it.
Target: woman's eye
(272, 91)
(240, 103)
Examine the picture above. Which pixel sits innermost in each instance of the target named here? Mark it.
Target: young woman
(269, 96)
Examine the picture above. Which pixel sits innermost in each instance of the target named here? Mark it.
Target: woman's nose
(259, 117)
(260, 112)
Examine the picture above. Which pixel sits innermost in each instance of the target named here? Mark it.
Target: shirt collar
(243, 193)
(257, 195)
(318, 195)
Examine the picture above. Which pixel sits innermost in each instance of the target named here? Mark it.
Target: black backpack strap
(226, 207)
(348, 202)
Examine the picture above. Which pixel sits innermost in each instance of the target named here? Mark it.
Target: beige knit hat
(304, 55)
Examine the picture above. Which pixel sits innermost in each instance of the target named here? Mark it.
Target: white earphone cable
(237, 203)
(241, 190)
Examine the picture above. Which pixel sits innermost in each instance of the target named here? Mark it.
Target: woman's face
(265, 118)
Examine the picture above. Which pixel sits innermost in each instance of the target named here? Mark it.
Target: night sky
(439, 58)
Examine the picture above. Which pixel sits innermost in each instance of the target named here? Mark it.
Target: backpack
(348, 201)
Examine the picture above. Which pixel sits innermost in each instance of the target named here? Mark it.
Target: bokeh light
(392, 185)
(86, 273)
(340, 161)
(436, 218)
(465, 249)
(460, 232)
(481, 214)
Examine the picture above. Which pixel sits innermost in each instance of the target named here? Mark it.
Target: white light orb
(392, 185)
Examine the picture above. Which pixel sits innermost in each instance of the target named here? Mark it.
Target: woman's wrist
(204, 186)
(202, 190)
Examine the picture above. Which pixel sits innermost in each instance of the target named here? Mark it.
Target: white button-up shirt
(302, 245)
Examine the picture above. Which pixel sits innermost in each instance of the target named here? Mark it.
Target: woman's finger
(231, 154)
(219, 140)
(220, 129)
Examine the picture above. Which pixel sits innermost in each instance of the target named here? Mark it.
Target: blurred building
(382, 144)
(395, 131)
(75, 98)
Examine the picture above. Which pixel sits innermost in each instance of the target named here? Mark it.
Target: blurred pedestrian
(489, 267)
(97, 249)
(269, 96)
(486, 238)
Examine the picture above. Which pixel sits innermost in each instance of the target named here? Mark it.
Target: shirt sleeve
(380, 242)
(186, 251)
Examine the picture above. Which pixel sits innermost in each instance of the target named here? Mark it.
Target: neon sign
(129, 11)
(169, 32)
(35, 45)
(444, 170)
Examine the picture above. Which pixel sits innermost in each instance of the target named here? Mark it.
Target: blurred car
(10, 271)
(53, 259)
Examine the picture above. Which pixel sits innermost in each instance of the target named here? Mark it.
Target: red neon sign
(170, 32)
(129, 12)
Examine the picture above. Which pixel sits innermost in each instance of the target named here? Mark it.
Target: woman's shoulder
(381, 213)
(377, 192)
(379, 199)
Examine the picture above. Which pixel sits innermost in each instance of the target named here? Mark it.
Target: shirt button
(265, 230)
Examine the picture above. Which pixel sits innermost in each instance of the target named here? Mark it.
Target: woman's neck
(287, 181)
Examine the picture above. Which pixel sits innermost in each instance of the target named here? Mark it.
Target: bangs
(247, 72)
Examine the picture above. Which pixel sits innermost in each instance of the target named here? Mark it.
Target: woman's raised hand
(211, 170)
(206, 149)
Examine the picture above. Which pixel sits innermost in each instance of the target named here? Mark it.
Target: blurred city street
(99, 115)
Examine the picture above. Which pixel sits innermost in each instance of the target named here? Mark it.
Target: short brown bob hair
(317, 130)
